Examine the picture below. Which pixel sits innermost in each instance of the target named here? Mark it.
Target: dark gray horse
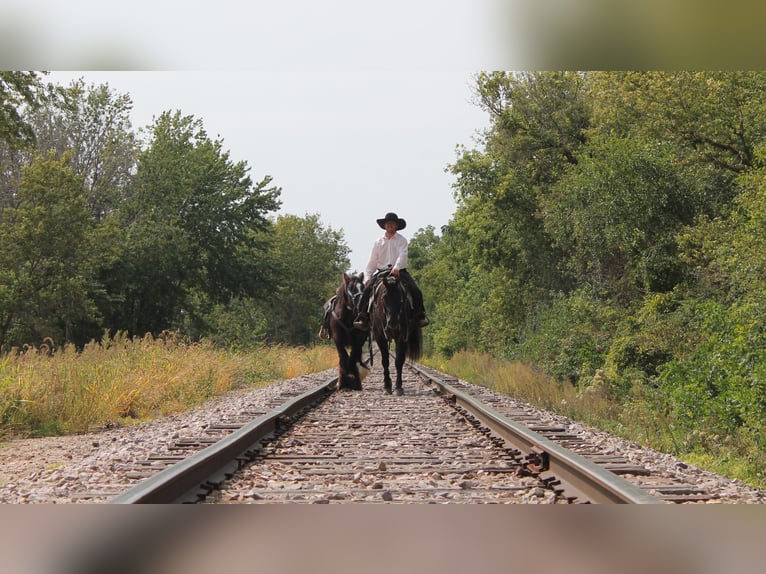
(344, 307)
(392, 319)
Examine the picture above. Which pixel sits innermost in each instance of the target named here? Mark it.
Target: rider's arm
(401, 259)
(372, 262)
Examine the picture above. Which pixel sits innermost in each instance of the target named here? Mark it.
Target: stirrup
(423, 322)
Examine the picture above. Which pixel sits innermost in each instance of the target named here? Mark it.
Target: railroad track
(571, 437)
(437, 444)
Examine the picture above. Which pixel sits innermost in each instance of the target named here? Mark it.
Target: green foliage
(617, 214)
(106, 230)
(569, 336)
(46, 262)
(240, 324)
(721, 385)
(195, 222)
(611, 231)
(718, 117)
(17, 90)
(311, 260)
(92, 126)
(422, 248)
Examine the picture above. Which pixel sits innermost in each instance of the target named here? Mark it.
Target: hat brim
(400, 223)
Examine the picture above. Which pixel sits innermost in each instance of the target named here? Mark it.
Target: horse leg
(401, 350)
(355, 360)
(384, 360)
(342, 366)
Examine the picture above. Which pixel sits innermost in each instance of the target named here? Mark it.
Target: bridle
(350, 303)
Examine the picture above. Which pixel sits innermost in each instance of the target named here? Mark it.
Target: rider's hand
(395, 271)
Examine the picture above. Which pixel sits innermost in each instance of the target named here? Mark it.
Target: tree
(422, 248)
(617, 213)
(508, 260)
(19, 95)
(92, 124)
(46, 264)
(311, 259)
(194, 225)
(17, 91)
(717, 115)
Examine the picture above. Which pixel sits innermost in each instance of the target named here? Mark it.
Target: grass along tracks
(120, 381)
(96, 467)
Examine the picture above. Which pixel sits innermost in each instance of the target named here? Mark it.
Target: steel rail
(572, 475)
(183, 481)
(579, 478)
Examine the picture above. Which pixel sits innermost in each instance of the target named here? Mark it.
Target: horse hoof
(388, 390)
(399, 391)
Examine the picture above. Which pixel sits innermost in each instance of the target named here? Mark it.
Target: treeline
(611, 229)
(105, 228)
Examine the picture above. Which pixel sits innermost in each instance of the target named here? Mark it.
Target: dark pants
(409, 284)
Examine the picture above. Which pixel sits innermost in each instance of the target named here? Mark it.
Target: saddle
(384, 274)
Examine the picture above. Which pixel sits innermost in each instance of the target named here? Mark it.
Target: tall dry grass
(121, 380)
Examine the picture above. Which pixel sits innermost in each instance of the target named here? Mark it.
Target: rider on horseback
(390, 251)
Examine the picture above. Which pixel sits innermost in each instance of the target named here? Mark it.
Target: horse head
(352, 288)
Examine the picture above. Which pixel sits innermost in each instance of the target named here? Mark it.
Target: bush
(570, 337)
(721, 385)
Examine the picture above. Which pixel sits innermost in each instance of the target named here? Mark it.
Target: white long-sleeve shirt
(386, 252)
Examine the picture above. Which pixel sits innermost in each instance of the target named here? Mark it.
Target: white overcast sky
(349, 145)
(353, 108)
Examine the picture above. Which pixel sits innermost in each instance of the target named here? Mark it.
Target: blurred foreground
(417, 538)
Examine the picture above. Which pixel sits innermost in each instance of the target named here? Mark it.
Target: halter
(351, 303)
(354, 298)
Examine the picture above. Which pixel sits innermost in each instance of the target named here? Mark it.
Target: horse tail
(415, 344)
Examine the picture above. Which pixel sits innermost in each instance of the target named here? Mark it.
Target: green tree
(617, 214)
(92, 125)
(47, 260)
(508, 259)
(19, 95)
(18, 90)
(718, 379)
(311, 259)
(194, 226)
(718, 116)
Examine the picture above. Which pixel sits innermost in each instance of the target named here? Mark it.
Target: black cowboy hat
(391, 216)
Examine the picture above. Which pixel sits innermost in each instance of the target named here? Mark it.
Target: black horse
(393, 319)
(343, 308)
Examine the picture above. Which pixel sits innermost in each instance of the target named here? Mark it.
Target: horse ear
(361, 277)
(346, 278)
